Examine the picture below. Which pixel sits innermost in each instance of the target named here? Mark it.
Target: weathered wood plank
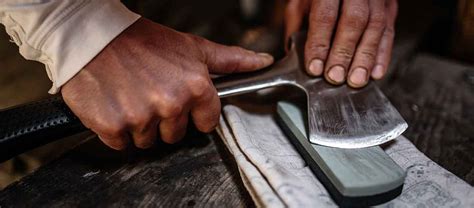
(191, 173)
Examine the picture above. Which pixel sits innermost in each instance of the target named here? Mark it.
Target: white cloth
(276, 175)
(63, 34)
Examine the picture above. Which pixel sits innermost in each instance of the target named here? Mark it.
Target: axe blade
(338, 116)
(351, 118)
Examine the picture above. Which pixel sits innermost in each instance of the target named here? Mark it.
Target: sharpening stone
(353, 177)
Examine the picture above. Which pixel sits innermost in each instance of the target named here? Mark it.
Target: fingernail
(359, 76)
(377, 72)
(265, 55)
(337, 74)
(268, 58)
(316, 67)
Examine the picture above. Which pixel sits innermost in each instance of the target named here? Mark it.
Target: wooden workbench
(198, 171)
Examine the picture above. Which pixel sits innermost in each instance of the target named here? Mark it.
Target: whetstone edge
(353, 177)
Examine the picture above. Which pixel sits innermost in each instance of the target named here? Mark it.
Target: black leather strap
(34, 124)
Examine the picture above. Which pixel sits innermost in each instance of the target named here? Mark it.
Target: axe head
(341, 116)
(348, 118)
(338, 116)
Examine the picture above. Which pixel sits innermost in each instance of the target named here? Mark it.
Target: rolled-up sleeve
(64, 35)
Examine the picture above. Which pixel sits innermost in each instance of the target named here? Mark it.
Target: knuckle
(238, 54)
(238, 49)
(194, 39)
(377, 20)
(110, 127)
(326, 17)
(134, 118)
(389, 32)
(233, 66)
(296, 5)
(167, 104)
(113, 128)
(172, 138)
(199, 85)
(156, 97)
(211, 124)
(199, 44)
(368, 54)
(171, 110)
(318, 49)
(356, 18)
(343, 52)
(144, 143)
(118, 145)
(208, 127)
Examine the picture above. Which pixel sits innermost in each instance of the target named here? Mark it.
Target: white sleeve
(63, 34)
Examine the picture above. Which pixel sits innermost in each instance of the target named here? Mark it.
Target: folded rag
(276, 175)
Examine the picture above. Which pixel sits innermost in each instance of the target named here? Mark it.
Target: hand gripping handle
(38, 123)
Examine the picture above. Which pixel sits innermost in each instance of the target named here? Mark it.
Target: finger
(116, 141)
(294, 14)
(386, 44)
(353, 21)
(230, 59)
(145, 137)
(206, 112)
(173, 130)
(364, 59)
(322, 20)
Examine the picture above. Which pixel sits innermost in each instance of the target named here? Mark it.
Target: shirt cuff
(82, 36)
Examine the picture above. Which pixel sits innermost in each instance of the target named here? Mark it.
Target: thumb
(221, 59)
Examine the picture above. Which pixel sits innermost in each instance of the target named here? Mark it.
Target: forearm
(64, 34)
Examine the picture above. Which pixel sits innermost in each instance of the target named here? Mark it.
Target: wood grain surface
(196, 172)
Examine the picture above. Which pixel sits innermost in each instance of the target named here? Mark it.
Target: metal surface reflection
(337, 116)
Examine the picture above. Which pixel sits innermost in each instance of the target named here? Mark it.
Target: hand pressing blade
(338, 116)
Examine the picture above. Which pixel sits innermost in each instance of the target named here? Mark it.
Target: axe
(338, 116)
